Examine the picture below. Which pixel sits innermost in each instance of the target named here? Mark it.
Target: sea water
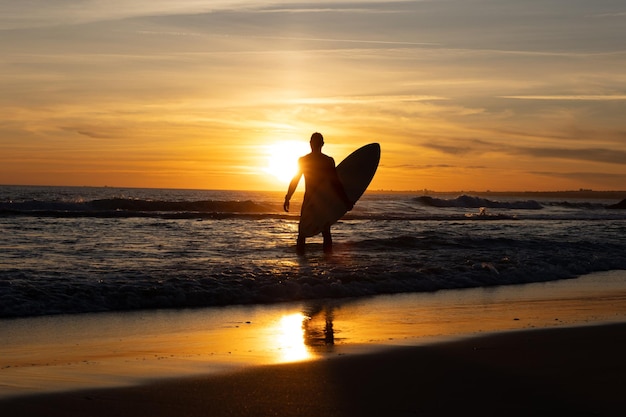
(87, 249)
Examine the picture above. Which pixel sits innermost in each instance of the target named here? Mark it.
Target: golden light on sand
(290, 338)
(282, 159)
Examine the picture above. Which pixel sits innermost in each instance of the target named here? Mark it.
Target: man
(319, 172)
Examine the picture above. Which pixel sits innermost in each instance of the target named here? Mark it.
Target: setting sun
(282, 159)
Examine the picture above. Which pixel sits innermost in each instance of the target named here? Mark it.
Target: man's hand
(286, 205)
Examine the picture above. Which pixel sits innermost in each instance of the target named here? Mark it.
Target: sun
(282, 159)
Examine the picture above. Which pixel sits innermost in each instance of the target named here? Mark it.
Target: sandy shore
(541, 349)
(569, 372)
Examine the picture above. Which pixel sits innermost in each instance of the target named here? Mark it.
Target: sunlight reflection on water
(290, 338)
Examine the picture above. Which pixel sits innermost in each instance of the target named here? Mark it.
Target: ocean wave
(466, 201)
(126, 207)
(123, 207)
(408, 263)
(618, 206)
(203, 209)
(247, 206)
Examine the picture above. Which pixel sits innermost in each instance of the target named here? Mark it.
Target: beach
(575, 371)
(534, 349)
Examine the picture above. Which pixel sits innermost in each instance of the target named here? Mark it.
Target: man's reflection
(318, 327)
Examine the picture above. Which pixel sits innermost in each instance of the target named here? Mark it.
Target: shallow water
(79, 250)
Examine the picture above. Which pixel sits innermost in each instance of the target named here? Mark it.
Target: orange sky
(461, 94)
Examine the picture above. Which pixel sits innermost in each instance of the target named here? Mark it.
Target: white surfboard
(326, 207)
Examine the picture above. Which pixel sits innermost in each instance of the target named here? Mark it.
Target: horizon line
(379, 190)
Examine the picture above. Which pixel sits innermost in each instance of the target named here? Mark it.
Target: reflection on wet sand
(300, 336)
(318, 325)
(291, 338)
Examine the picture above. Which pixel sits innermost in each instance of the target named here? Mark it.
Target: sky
(501, 95)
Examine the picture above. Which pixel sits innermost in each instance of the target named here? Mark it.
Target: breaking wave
(467, 201)
(407, 263)
(130, 207)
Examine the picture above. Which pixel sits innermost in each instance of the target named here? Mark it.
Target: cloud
(594, 97)
(365, 99)
(344, 40)
(480, 147)
(449, 149)
(611, 156)
(92, 134)
(610, 14)
(601, 180)
(45, 13)
(417, 167)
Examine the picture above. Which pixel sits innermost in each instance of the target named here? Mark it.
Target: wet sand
(540, 349)
(574, 371)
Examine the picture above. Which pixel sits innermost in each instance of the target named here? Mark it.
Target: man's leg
(328, 240)
(300, 244)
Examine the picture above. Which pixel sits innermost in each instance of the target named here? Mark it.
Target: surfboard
(326, 207)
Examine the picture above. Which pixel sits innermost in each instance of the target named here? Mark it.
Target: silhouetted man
(319, 171)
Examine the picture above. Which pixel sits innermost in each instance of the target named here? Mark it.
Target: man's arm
(292, 187)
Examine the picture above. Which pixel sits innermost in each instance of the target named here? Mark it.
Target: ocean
(73, 250)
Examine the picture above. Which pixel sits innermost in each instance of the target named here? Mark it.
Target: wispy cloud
(610, 14)
(365, 99)
(592, 97)
(611, 156)
(345, 40)
(605, 180)
(608, 155)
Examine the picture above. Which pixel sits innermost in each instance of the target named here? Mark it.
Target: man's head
(317, 141)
